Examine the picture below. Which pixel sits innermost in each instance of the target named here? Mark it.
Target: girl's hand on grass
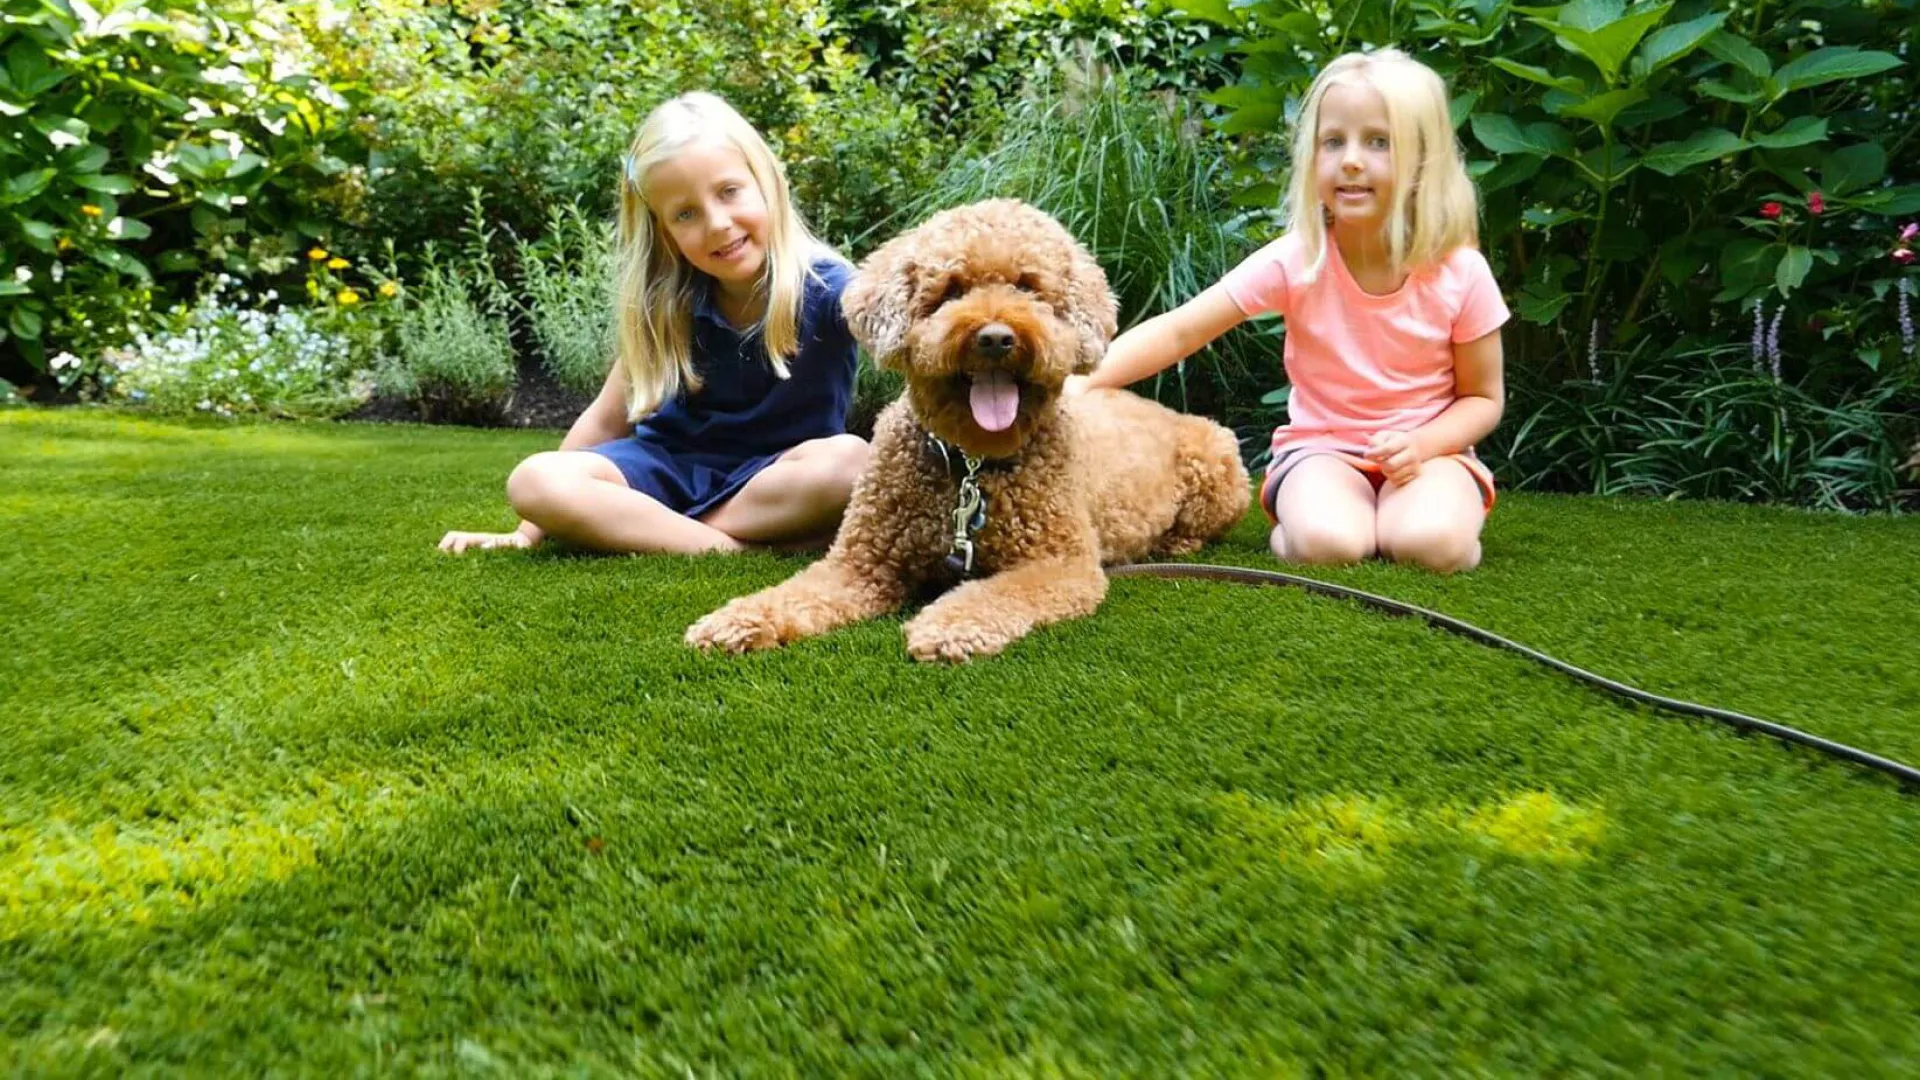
(1398, 453)
(456, 542)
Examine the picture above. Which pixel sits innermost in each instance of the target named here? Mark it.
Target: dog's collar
(957, 462)
(970, 503)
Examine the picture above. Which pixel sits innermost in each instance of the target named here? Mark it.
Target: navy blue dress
(697, 451)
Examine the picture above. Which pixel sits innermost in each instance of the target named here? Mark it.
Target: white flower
(23, 274)
(61, 140)
(89, 18)
(225, 76)
(57, 271)
(275, 127)
(65, 360)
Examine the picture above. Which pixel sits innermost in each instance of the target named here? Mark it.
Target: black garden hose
(1906, 773)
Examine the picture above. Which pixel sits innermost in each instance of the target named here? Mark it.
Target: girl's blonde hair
(1434, 208)
(655, 289)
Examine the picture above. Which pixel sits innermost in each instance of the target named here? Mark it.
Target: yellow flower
(90, 210)
(62, 244)
(348, 297)
(389, 288)
(337, 264)
(317, 254)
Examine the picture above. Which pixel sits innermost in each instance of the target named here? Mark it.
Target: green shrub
(455, 360)
(144, 147)
(566, 296)
(1703, 426)
(535, 103)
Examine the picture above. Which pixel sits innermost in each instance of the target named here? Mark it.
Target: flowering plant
(224, 357)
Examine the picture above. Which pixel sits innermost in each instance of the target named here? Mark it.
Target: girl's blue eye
(1379, 142)
(684, 215)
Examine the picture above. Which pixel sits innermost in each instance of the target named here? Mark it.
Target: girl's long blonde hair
(655, 289)
(1434, 207)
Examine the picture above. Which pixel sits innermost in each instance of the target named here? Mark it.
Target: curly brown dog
(987, 309)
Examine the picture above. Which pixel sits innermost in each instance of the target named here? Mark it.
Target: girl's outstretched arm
(603, 421)
(1164, 340)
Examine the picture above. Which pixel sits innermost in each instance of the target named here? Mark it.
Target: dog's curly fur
(1101, 478)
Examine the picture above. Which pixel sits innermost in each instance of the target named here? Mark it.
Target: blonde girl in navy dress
(722, 424)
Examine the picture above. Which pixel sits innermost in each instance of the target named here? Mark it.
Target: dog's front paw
(735, 629)
(932, 640)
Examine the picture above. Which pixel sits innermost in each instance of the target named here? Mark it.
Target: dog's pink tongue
(995, 399)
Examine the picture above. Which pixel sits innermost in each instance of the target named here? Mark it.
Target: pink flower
(1912, 230)
(1903, 256)
(1770, 210)
(1816, 203)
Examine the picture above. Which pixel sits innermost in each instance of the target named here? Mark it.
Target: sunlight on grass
(1539, 825)
(1344, 838)
(1355, 838)
(55, 875)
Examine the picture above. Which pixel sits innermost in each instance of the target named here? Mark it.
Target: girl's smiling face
(707, 201)
(1353, 162)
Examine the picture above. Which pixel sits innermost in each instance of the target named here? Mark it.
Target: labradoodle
(983, 479)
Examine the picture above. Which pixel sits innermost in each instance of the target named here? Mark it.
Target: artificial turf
(283, 788)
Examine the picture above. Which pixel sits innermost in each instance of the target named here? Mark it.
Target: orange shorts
(1287, 460)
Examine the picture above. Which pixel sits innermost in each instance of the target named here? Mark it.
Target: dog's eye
(1028, 283)
(953, 291)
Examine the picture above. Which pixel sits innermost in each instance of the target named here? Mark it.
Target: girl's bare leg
(1435, 520)
(580, 497)
(1326, 511)
(798, 499)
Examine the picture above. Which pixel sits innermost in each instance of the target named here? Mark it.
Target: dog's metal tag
(969, 516)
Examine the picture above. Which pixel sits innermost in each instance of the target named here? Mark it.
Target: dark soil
(537, 401)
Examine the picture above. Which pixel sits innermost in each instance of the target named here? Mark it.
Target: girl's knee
(530, 484)
(838, 462)
(1321, 543)
(1443, 548)
(538, 484)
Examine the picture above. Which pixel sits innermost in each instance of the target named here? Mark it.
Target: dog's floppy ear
(1091, 310)
(878, 303)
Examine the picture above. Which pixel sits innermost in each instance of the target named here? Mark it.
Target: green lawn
(283, 788)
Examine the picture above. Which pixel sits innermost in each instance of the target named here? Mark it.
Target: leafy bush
(1710, 430)
(146, 145)
(566, 285)
(534, 103)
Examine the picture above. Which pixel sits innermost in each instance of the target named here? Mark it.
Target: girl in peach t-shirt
(1393, 319)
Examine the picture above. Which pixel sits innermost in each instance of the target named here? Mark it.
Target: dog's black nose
(994, 339)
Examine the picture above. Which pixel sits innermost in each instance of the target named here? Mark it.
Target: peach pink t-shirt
(1359, 363)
